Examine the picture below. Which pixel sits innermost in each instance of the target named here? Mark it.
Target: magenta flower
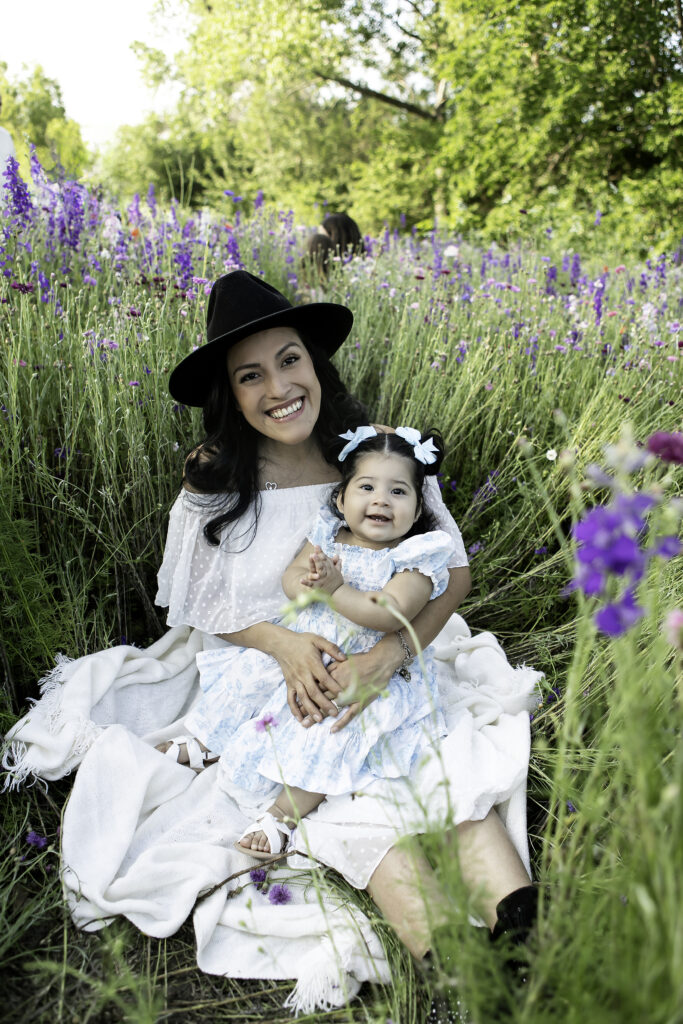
(667, 447)
(673, 628)
(267, 722)
(279, 895)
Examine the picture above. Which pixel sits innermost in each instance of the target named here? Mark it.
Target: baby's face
(380, 503)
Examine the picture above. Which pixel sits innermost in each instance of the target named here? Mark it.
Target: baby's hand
(323, 572)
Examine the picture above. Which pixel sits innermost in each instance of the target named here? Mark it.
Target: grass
(507, 345)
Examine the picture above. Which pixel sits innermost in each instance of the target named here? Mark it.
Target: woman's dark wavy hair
(226, 462)
(392, 444)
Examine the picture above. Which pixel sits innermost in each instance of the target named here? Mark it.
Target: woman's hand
(323, 572)
(367, 674)
(310, 686)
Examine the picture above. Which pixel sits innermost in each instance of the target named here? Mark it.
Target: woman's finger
(293, 705)
(320, 702)
(347, 717)
(327, 647)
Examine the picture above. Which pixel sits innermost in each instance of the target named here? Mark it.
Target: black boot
(516, 915)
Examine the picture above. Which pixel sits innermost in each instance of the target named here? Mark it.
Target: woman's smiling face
(275, 384)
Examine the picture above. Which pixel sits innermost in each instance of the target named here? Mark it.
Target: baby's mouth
(283, 411)
(377, 518)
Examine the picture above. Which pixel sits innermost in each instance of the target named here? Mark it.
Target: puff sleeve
(430, 554)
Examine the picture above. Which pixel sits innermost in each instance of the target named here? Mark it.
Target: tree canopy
(33, 112)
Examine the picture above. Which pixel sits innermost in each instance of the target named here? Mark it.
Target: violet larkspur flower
(279, 895)
(618, 617)
(34, 839)
(267, 722)
(667, 447)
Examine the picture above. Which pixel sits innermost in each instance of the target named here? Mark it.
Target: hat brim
(326, 323)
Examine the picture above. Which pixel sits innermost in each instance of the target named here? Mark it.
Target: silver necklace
(271, 485)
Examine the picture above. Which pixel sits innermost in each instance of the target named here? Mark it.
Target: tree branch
(392, 101)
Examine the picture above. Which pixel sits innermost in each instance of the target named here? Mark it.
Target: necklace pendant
(271, 485)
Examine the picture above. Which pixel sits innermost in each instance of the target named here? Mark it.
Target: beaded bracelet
(403, 667)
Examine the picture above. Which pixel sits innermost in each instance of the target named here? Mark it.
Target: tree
(573, 105)
(33, 112)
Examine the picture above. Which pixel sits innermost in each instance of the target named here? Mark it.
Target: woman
(284, 404)
(272, 402)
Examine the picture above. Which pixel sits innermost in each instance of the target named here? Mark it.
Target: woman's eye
(248, 377)
(288, 360)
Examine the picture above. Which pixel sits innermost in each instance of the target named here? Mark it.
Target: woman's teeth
(279, 414)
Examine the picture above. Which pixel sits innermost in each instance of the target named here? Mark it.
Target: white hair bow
(425, 452)
(355, 437)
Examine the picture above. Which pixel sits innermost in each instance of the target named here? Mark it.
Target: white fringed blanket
(143, 836)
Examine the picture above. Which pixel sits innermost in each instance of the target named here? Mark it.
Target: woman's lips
(289, 411)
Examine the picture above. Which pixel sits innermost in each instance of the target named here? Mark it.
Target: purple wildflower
(618, 617)
(667, 547)
(267, 722)
(667, 447)
(34, 839)
(258, 877)
(278, 895)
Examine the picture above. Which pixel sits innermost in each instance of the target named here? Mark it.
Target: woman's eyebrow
(254, 366)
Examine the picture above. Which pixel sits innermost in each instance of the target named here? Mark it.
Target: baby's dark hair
(392, 444)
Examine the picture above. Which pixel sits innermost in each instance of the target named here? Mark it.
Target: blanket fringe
(16, 762)
(322, 985)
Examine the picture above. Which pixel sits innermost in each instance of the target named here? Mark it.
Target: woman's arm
(375, 668)
(299, 655)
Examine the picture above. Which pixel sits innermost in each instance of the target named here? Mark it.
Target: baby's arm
(408, 592)
(296, 571)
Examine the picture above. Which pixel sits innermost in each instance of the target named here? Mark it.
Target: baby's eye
(366, 487)
(398, 490)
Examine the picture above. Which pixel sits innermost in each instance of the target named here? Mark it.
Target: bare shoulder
(203, 455)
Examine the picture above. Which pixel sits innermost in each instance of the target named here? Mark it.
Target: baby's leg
(291, 805)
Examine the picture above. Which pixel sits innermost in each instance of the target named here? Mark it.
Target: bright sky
(85, 46)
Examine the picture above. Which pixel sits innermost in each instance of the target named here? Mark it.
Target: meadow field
(548, 375)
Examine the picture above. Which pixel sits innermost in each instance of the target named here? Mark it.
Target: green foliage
(562, 108)
(33, 112)
(448, 109)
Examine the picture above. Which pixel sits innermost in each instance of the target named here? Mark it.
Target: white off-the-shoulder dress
(143, 835)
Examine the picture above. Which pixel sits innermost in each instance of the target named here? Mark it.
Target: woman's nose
(276, 385)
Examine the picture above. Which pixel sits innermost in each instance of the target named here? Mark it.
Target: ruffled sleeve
(226, 587)
(445, 521)
(325, 529)
(430, 554)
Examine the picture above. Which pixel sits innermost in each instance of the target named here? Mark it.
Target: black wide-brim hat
(241, 304)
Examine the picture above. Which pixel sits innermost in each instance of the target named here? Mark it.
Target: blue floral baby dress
(243, 712)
